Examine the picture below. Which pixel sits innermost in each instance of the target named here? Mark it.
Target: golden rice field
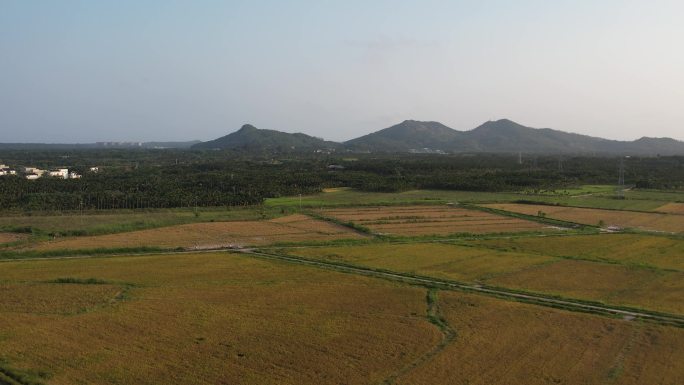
(654, 251)
(222, 318)
(429, 220)
(210, 318)
(623, 219)
(672, 208)
(439, 260)
(292, 228)
(510, 343)
(609, 283)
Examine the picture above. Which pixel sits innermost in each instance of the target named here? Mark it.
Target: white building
(32, 176)
(5, 170)
(34, 170)
(74, 175)
(59, 173)
(95, 169)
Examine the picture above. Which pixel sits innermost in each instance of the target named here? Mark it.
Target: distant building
(94, 169)
(34, 171)
(335, 167)
(59, 173)
(32, 176)
(74, 175)
(5, 170)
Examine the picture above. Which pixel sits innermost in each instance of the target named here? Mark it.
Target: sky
(144, 70)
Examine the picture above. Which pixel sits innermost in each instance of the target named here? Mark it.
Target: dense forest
(182, 178)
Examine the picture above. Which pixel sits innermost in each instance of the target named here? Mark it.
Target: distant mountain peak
(251, 138)
(494, 136)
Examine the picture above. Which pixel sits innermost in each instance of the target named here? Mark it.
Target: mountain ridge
(498, 136)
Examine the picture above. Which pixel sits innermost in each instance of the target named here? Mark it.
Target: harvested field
(653, 251)
(608, 283)
(10, 237)
(292, 228)
(215, 318)
(510, 343)
(672, 208)
(459, 263)
(429, 220)
(625, 219)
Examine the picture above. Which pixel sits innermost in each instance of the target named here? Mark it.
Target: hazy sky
(83, 71)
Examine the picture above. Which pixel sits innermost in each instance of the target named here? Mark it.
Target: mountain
(504, 136)
(407, 135)
(507, 136)
(251, 138)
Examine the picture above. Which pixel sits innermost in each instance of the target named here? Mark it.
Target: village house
(59, 173)
(5, 170)
(33, 173)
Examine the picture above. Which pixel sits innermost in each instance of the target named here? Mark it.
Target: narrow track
(435, 317)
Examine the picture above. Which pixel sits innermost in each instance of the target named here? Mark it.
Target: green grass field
(588, 196)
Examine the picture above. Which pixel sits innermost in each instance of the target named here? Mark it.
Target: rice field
(510, 343)
(222, 318)
(614, 284)
(608, 283)
(623, 219)
(672, 208)
(116, 221)
(429, 220)
(292, 228)
(629, 249)
(210, 318)
(445, 261)
(232, 318)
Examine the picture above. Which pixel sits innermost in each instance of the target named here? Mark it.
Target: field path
(434, 314)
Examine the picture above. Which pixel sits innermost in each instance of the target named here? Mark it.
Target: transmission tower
(621, 179)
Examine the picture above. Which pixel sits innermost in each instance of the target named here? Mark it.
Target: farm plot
(614, 284)
(672, 208)
(430, 259)
(293, 228)
(511, 343)
(210, 318)
(608, 283)
(630, 249)
(10, 237)
(625, 219)
(430, 220)
(107, 222)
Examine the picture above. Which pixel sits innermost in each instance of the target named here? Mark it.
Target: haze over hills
(98, 145)
(503, 136)
(500, 136)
